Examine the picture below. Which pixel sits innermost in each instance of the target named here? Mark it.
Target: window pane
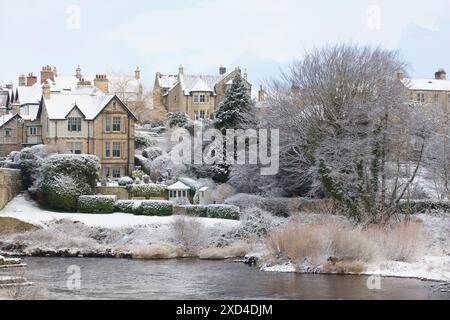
(107, 150)
(116, 149)
(108, 123)
(116, 124)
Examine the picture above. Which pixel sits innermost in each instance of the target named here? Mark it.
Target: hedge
(195, 210)
(96, 204)
(423, 206)
(125, 206)
(222, 211)
(148, 190)
(154, 208)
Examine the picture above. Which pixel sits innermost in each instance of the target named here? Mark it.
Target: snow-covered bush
(150, 190)
(138, 174)
(125, 181)
(258, 222)
(177, 119)
(222, 211)
(65, 177)
(154, 208)
(61, 192)
(96, 204)
(125, 206)
(283, 207)
(245, 201)
(424, 206)
(195, 210)
(142, 140)
(152, 153)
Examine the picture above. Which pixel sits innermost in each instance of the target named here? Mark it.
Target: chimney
(31, 80)
(440, 75)
(245, 74)
(101, 82)
(400, 75)
(137, 74)
(222, 70)
(47, 73)
(261, 94)
(22, 80)
(78, 73)
(55, 72)
(180, 69)
(46, 91)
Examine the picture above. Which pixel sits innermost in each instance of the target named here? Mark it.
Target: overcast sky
(262, 35)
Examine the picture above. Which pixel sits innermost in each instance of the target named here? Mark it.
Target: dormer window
(74, 124)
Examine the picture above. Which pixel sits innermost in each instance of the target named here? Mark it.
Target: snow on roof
(30, 95)
(203, 189)
(167, 81)
(59, 105)
(6, 118)
(202, 83)
(178, 186)
(427, 84)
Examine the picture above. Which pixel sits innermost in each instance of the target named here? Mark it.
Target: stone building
(89, 121)
(196, 95)
(434, 91)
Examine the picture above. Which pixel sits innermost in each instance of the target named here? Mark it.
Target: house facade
(433, 92)
(196, 95)
(90, 122)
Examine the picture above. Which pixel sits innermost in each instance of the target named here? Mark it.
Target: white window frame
(74, 124)
(114, 150)
(115, 123)
(33, 131)
(74, 147)
(114, 171)
(420, 97)
(8, 132)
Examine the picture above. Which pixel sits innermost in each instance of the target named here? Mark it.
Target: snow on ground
(427, 268)
(27, 210)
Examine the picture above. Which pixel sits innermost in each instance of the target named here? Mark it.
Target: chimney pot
(222, 70)
(440, 74)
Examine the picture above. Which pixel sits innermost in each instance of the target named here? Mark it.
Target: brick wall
(10, 185)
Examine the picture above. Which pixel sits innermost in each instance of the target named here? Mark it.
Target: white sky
(258, 34)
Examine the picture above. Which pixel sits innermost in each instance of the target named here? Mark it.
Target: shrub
(126, 206)
(142, 140)
(138, 174)
(96, 204)
(125, 181)
(283, 207)
(154, 208)
(152, 153)
(150, 190)
(195, 210)
(423, 206)
(177, 119)
(222, 211)
(65, 178)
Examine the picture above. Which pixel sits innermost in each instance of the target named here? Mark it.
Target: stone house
(88, 121)
(196, 95)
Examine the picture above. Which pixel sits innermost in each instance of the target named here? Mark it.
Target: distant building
(179, 193)
(196, 95)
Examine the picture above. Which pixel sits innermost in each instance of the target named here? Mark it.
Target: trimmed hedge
(195, 210)
(96, 204)
(154, 208)
(222, 211)
(125, 206)
(148, 190)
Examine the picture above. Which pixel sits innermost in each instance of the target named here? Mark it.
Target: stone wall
(10, 185)
(120, 192)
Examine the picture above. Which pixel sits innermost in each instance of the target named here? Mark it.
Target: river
(197, 279)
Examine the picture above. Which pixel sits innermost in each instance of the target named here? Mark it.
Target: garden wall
(121, 192)
(10, 185)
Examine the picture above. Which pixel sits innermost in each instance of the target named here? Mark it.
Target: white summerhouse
(178, 193)
(204, 195)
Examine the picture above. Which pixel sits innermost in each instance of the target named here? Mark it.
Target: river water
(196, 279)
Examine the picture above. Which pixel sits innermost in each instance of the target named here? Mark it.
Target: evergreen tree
(235, 111)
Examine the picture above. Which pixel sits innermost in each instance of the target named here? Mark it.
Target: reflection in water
(194, 279)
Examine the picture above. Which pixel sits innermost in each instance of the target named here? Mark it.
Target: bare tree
(344, 120)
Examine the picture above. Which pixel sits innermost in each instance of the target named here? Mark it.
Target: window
(116, 149)
(7, 132)
(107, 171)
(421, 97)
(116, 124)
(107, 123)
(107, 150)
(74, 147)
(201, 97)
(448, 99)
(33, 131)
(116, 172)
(74, 124)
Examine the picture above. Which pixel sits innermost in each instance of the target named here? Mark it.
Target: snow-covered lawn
(27, 210)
